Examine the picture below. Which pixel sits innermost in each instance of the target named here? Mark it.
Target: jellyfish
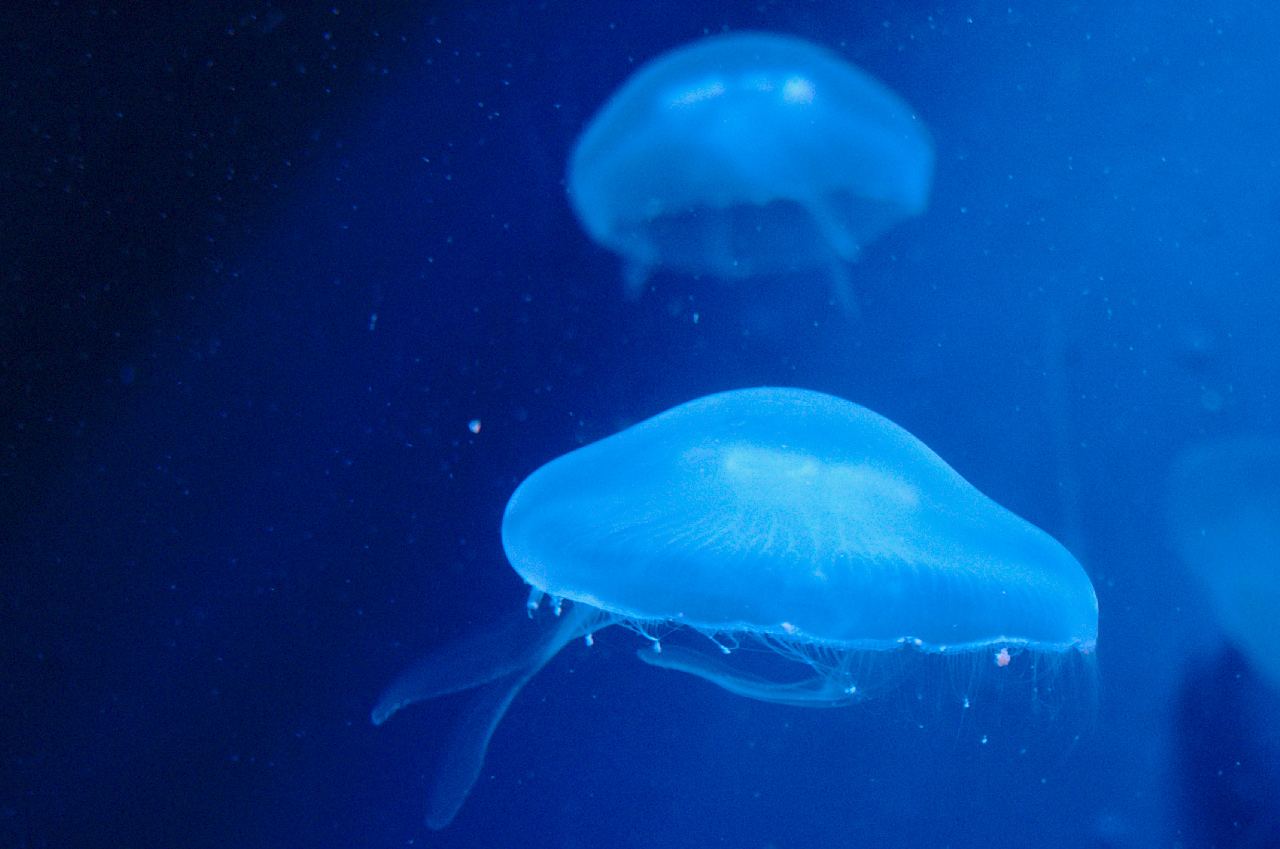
(1224, 512)
(800, 521)
(748, 154)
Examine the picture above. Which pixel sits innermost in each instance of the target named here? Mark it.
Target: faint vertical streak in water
(1058, 408)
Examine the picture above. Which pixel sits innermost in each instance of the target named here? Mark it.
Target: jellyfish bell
(748, 154)
(798, 515)
(797, 520)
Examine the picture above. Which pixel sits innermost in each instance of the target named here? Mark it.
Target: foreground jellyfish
(804, 522)
(1224, 510)
(748, 154)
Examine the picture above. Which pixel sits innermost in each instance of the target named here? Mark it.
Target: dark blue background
(237, 505)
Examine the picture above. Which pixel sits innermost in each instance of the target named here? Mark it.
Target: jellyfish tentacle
(494, 663)
(816, 691)
(833, 229)
(842, 288)
(460, 762)
(473, 661)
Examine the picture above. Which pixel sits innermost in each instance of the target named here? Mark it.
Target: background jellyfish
(806, 522)
(1224, 510)
(748, 154)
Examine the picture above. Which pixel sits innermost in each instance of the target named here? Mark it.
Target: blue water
(288, 486)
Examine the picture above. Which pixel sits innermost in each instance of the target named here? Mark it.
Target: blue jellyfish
(1224, 510)
(748, 154)
(801, 521)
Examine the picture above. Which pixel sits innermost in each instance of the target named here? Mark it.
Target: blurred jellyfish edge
(1223, 513)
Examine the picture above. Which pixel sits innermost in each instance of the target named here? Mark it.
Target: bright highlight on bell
(796, 519)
